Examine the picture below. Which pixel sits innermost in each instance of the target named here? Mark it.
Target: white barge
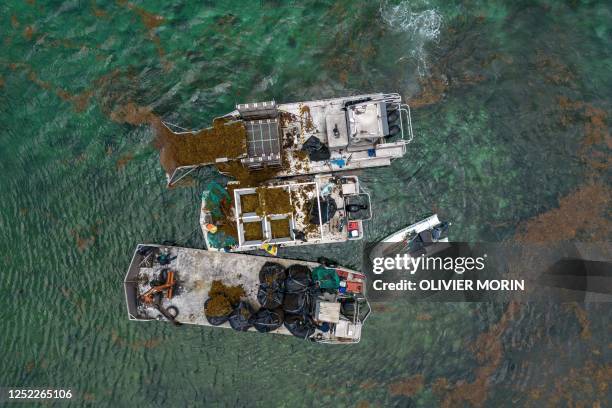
(325, 304)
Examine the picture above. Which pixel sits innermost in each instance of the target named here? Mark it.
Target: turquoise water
(511, 107)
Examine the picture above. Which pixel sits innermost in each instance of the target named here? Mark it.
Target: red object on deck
(349, 275)
(354, 287)
(342, 274)
(353, 225)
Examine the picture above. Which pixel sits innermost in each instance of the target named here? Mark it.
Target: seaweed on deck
(273, 200)
(253, 231)
(218, 306)
(299, 160)
(222, 298)
(302, 193)
(302, 200)
(280, 228)
(225, 223)
(249, 203)
(246, 177)
(232, 293)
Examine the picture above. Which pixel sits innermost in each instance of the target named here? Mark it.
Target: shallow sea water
(511, 105)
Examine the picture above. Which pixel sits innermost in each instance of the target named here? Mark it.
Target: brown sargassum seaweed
(280, 228)
(223, 140)
(253, 231)
(273, 201)
(223, 298)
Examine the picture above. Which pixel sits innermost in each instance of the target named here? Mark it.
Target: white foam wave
(422, 26)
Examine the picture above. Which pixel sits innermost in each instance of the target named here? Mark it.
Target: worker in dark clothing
(352, 208)
(164, 258)
(299, 235)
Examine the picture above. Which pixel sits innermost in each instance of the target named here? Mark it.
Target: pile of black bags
(298, 301)
(285, 298)
(266, 320)
(240, 318)
(317, 151)
(270, 296)
(271, 285)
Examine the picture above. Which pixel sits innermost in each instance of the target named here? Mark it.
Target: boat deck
(398, 242)
(195, 271)
(302, 196)
(299, 121)
(355, 129)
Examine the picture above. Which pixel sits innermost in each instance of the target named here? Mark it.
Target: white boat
(413, 239)
(323, 209)
(309, 137)
(173, 284)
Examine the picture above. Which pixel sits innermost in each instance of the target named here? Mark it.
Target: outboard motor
(440, 231)
(394, 130)
(353, 208)
(392, 116)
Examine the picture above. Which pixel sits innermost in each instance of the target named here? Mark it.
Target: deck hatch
(263, 144)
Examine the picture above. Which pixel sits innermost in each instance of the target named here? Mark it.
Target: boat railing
(406, 134)
(180, 173)
(130, 285)
(359, 318)
(404, 108)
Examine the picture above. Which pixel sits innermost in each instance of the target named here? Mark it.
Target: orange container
(354, 287)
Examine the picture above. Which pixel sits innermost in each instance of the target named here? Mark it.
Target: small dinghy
(414, 240)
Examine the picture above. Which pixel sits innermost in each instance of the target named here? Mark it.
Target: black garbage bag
(296, 303)
(271, 272)
(322, 154)
(300, 326)
(266, 320)
(316, 150)
(312, 144)
(328, 210)
(271, 295)
(240, 319)
(216, 320)
(299, 278)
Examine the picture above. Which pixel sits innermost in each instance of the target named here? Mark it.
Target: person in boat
(164, 258)
(440, 231)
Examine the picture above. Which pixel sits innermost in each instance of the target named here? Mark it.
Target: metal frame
(355, 320)
(265, 221)
(261, 123)
(405, 115)
(406, 110)
(189, 169)
(184, 171)
(363, 190)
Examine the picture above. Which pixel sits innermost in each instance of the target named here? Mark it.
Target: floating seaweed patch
(224, 140)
